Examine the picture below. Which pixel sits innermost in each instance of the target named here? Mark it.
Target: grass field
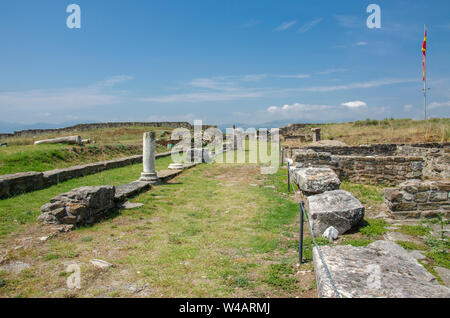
(387, 131)
(21, 155)
(217, 230)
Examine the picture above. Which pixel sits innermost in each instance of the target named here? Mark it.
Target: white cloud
(294, 76)
(407, 107)
(361, 43)
(109, 82)
(308, 26)
(370, 84)
(285, 25)
(355, 104)
(348, 21)
(203, 97)
(331, 71)
(438, 105)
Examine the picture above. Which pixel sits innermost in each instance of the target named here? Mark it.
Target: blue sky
(221, 61)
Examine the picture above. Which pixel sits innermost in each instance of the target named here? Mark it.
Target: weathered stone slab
(131, 189)
(382, 269)
(79, 206)
(316, 180)
(337, 208)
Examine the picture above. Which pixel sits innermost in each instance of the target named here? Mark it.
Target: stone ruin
(421, 171)
(383, 268)
(327, 205)
(418, 199)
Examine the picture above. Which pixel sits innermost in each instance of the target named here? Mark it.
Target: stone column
(149, 146)
(316, 134)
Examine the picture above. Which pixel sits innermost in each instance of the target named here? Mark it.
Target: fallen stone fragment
(100, 263)
(331, 234)
(316, 180)
(79, 206)
(338, 208)
(383, 269)
(129, 205)
(15, 267)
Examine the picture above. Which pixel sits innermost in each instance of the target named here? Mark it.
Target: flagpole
(425, 82)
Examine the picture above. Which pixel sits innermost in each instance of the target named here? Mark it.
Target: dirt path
(214, 231)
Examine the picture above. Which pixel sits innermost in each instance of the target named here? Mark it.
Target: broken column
(316, 134)
(149, 146)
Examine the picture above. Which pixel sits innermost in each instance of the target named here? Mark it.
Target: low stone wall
(388, 170)
(418, 199)
(415, 149)
(14, 184)
(437, 159)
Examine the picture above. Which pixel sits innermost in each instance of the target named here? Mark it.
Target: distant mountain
(6, 127)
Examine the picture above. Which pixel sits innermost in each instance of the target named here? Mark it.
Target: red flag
(424, 52)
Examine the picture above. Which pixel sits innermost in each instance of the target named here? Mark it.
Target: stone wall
(437, 159)
(14, 184)
(388, 170)
(418, 199)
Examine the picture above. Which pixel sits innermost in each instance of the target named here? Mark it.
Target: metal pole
(282, 156)
(300, 239)
(425, 81)
(289, 177)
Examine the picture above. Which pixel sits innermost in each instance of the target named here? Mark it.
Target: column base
(149, 177)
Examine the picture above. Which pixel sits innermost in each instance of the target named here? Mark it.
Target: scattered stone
(100, 263)
(444, 273)
(253, 185)
(338, 208)
(331, 234)
(316, 180)
(270, 187)
(80, 206)
(129, 205)
(15, 267)
(383, 269)
(46, 238)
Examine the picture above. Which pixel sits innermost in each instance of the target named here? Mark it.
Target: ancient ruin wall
(388, 170)
(418, 199)
(437, 159)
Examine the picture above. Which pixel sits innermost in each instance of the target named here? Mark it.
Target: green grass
(24, 208)
(414, 230)
(373, 227)
(412, 246)
(367, 194)
(194, 237)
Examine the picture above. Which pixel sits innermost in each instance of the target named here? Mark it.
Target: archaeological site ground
(109, 214)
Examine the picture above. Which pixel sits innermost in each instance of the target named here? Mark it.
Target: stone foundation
(388, 170)
(418, 199)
